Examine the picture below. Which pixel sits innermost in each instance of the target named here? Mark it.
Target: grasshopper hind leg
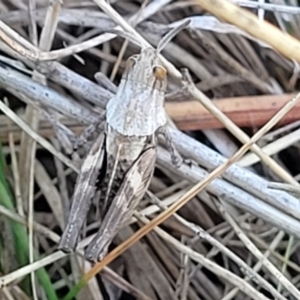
(84, 192)
(71, 233)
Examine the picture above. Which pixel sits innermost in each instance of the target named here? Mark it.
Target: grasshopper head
(146, 68)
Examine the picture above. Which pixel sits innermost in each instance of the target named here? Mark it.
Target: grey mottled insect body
(125, 154)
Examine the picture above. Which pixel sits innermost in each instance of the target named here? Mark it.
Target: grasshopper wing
(84, 191)
(131, 191)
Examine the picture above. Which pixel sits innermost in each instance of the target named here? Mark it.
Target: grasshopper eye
(160, 73)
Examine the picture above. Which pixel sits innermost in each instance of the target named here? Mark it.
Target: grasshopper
(123, 157)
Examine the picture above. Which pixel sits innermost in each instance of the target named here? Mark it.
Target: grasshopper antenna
(126, 35)
(167, 38)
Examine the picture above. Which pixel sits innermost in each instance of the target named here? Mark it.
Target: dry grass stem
(227, 11)
(36, 137)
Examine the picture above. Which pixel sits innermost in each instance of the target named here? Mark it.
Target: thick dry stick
(248, 111)
(231, 13)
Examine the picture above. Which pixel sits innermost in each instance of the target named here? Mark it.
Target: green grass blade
(20, 233)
